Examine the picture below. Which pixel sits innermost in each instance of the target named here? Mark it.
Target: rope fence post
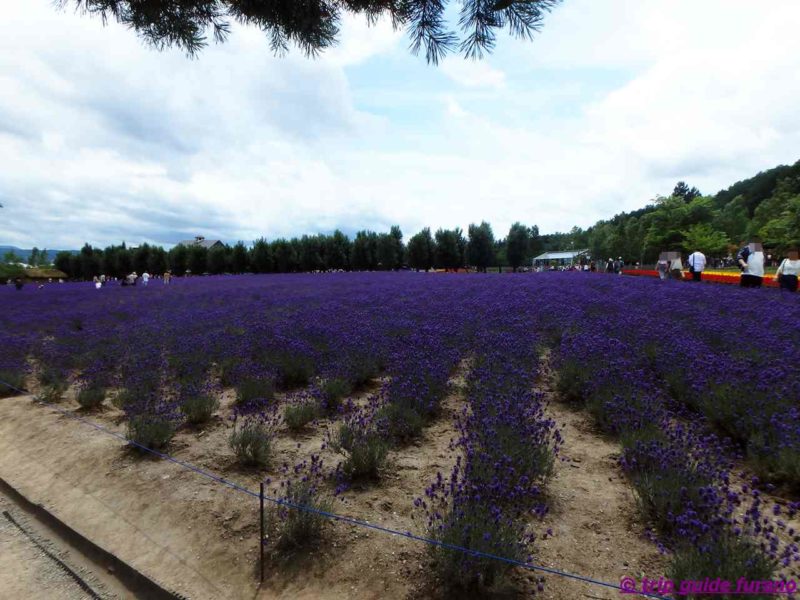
(261, 537)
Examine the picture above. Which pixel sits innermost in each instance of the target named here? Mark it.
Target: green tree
(421, 249)
(261, 257)
(733, 219)
(313, 25)
(44, 258)
(141, 258)
(666, 226)
(450, 249)
(682, 190)
(365, 251)
(123, 261)
(11, 258)
(89, 262)
(179, 259)
(706, 239)
(9, 269)
(217, 260)
(157, 262)
(239, 258)
(63, 262)
(390, 249)
(480, 247)
(284, 256)
(197, 261)
(337, 251)
(311, 255)
(518, 245)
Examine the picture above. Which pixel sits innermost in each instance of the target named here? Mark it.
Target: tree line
(366, 251)
(764, 207)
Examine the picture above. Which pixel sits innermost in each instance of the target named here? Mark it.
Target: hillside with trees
(766, 206)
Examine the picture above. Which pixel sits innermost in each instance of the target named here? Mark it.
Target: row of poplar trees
(367, 251)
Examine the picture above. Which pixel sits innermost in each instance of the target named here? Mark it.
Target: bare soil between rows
(597, 530)
(199, 539)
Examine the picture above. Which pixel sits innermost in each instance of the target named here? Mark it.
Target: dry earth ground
(200, 539)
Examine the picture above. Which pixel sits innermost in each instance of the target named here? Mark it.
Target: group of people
(749, 259)
(130, 279)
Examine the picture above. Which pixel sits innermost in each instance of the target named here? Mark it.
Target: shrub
(252, 443)
(227, 370)
(401, 423)
(199, 408)
(152, 431)
(298, 528)
(14, 378)
(123, 398)
(365, 450)
(91, 397)
(252, 389)
(729, 558)
(294, 371)
(362, 370)
(333, 392)
(472, 526)
(299, 415)
(51, 377)
(527, 463)
(571, 382)
(52, 394)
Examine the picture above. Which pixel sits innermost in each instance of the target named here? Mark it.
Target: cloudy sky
(103, 139)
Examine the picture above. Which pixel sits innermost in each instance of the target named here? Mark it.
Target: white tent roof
(561, 254)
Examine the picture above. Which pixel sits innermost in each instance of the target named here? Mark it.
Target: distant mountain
(25, 254)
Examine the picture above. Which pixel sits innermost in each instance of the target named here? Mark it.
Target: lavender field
(697, 384)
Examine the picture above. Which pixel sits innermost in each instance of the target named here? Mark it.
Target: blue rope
(342, 518)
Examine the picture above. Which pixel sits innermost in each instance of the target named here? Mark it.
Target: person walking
(788, 271)
(145, 278)
(662, 267)
(751, 262)
(167, 277)
(697, 263)
(676, 267)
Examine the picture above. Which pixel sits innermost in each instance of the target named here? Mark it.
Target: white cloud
(104, 139)
(472, 73)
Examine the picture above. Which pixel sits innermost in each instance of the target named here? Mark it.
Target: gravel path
(26, 571)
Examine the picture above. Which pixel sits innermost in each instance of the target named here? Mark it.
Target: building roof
(200, 241)
(561, 254)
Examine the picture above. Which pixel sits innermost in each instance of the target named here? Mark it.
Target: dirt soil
(200, 539)
(596, 528)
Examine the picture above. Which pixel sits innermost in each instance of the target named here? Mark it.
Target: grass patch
(365, 451)
(252, 443)
(13, 378)
(299, 528)
(729, 558)
(150, 430)
(91, 397)
(254, 389)
(198, 409)
(333, 392)
(301, 414)
(401, 423)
